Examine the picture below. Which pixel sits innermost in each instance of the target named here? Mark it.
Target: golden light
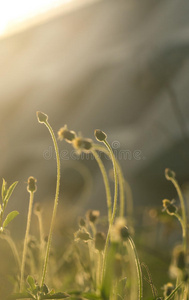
(16, 13)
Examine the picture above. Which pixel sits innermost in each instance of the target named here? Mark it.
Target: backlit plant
(106, 263)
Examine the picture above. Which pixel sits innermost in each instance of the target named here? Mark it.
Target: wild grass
(103, 264)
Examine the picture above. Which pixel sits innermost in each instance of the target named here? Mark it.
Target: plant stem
(55, 203)
(98, 271)
(106, 183)
(138, 267)
(183, 209)
(26, 241)
(120, 178)
(114, 205)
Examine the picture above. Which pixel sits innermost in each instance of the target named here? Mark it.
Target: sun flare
(16, 12)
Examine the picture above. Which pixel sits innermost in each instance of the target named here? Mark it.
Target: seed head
(119, 231)
(67, 135)
(31, 188)
(93, 215)
(100, 240)
(100, 135)
(169, 207)
(169, 174)
(81, 144)
(42, 118)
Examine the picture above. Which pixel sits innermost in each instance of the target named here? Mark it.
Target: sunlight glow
(14, 12)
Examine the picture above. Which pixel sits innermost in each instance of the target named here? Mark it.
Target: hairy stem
(55, 203)
(138, 267)
(106, 183)
(26, 241)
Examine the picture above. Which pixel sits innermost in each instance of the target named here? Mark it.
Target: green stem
(138, 267)
(120, 178)
(182, 224)
(98, 271)
(106, 183)
(55, 203)
(114, 205)
(26, 241)
(183, 209)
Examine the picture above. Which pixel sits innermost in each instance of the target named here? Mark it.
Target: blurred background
(120, 66)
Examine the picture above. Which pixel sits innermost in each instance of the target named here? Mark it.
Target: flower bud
(42, 118)
(124, 233)
(31, 188)
(67, 135)
(81, 144)
(93, 215)
(169, 207)
(100, 240)
(169, 174)
(100, 135)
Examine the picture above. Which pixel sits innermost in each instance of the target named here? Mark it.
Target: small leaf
(3, 189)
(44, 289)
(10, 217)
(30, 280)
(59, 295)
(9, 191)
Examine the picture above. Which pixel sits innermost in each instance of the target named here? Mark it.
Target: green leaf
(59, 295)
(9, 191)
(44, 289)
(20, 296)
(3, 189)
(30, 280)
(10, 217)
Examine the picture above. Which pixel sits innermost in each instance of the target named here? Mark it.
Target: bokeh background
(121, 66)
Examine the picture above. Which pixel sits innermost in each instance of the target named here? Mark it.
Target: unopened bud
(93, 215)
(100, 135)
(67, 135)
(32, 185)
(169, 207)
(42, 118)
(169, 174)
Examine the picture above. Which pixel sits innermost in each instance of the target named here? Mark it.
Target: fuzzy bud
(42, 118)
(169, 174)
(169, 207)
(100, 135)
(67, 135)
(81, 144)
(93, 215)
(31, 188)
